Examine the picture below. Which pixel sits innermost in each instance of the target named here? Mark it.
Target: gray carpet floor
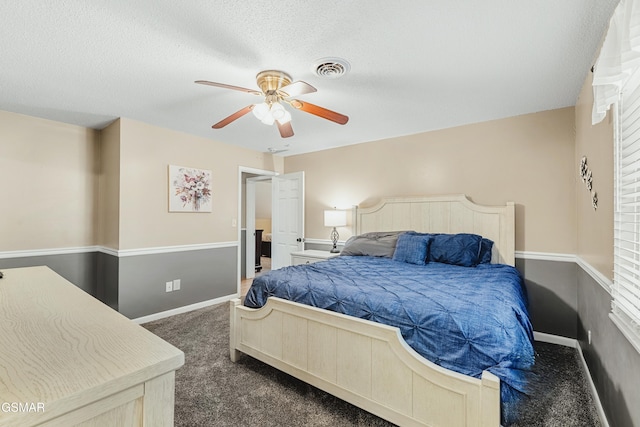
(213, 391)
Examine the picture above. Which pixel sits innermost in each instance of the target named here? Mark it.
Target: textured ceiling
(415, 65)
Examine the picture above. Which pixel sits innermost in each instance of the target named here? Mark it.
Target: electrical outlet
(169, 286)
(176, 284)
(234, 222)
(589, 337)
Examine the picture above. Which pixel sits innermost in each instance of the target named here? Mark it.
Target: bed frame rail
(364, 363)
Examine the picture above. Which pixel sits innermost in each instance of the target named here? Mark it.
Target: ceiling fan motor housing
(270, 81)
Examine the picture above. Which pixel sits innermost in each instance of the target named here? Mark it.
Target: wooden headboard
(444, 214)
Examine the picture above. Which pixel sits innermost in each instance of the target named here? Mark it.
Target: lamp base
(334, 240)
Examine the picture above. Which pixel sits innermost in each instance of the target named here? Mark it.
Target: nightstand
(310, 256)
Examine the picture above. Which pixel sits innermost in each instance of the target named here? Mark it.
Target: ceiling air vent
(331, 68)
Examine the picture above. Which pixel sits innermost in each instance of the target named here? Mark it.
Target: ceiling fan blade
(226, 86)
(307, 107)
(296, 89)
(222, 123)
(285, 129)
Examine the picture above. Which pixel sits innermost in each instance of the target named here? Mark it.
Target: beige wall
(263, 224)
(67, 186)
(594, 227)
(48, 184)
(527, 159)
(109, 187)
(146, 151)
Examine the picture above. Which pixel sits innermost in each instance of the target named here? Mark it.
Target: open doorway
(255, 216)
(271, 215)
(262, 216)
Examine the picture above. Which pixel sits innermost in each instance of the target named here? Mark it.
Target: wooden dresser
(66, 359)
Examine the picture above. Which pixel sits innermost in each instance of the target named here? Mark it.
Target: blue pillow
(412, 248)
(485, 251)
(458, 249)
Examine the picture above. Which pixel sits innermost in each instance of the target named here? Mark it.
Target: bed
(370, 364)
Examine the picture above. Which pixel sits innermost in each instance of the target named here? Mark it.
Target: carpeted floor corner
(560, 396)
(213, 391)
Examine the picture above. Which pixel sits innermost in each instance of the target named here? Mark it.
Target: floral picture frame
(189, 189)
(587, 178)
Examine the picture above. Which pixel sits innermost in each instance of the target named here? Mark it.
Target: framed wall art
(189, 189)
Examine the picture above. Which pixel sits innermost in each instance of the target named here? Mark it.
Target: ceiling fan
(277, 88)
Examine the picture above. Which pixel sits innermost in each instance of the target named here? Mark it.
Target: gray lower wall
(78, 268)
(135, 285)
(553, 295)
(107, 270)
(613, 362)
(204, 274)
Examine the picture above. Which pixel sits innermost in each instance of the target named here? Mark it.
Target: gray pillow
(377, 243)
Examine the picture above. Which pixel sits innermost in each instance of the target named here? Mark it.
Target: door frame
(259, 172)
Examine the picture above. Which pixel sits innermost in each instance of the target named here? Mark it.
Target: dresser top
(61, 345)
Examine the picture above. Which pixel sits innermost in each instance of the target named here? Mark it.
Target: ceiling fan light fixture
(277, 88)
(268, 119)
(277, 111)
(286, 118)
(261, 110)
(269, 113)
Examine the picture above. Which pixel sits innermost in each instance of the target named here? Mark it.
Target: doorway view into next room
(273, 222)
(262, 234)
(263, 227)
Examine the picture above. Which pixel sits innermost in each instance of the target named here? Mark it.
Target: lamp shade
(335, 218)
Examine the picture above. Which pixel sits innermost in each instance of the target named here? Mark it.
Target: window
(616, 81)
(626, 274)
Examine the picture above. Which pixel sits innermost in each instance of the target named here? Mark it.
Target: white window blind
(626, 275)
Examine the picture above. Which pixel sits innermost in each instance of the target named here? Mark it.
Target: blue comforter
(467, 319)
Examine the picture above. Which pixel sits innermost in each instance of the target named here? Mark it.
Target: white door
(287, 221)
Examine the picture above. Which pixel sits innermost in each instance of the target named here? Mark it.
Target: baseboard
(555, 339)
(594, 391)
(183, 309)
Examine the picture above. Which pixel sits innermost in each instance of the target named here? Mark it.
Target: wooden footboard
(364, 363)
